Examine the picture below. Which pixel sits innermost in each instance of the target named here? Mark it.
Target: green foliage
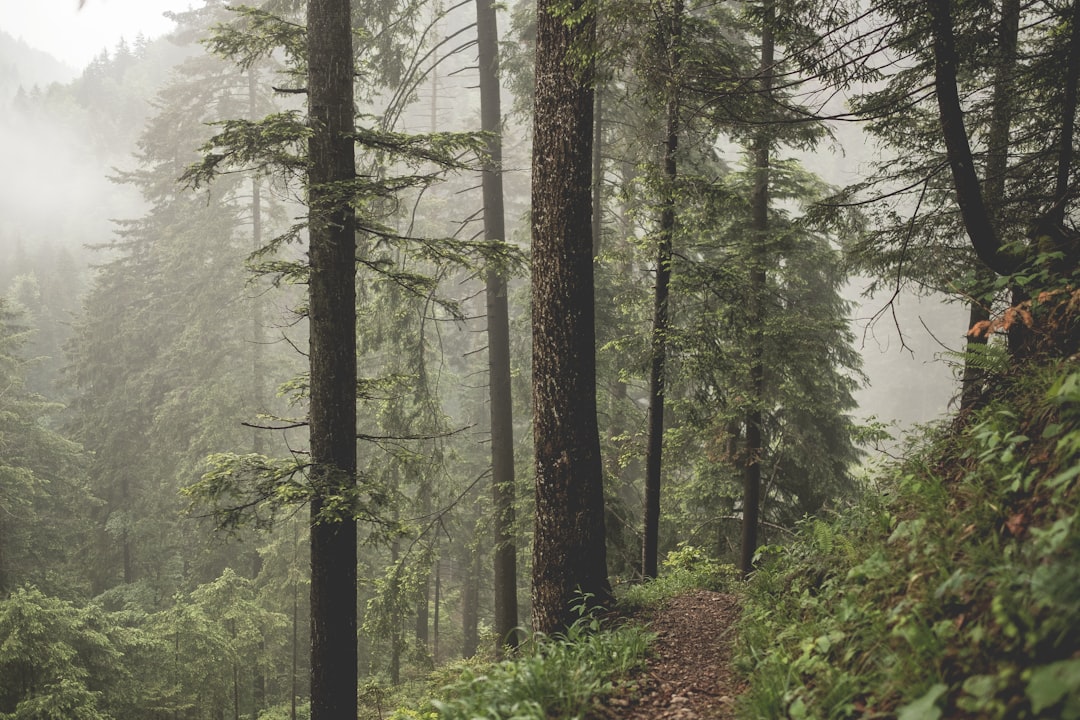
(59, 660)
(686, 568)
(42, 490)
(956, 593)
(560, 676)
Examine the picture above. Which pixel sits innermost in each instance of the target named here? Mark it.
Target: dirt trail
(690, 674)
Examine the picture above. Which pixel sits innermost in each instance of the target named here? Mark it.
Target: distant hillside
(22, 65)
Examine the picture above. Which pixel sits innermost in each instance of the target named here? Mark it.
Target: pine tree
(569, 553)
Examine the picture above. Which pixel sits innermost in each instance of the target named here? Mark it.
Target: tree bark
(997, 165)
(1068, 119)
(655, 446)
(498, 332)
(760, 228)
(976, 217)
(332, 347)
(569, 553)
(470, 603)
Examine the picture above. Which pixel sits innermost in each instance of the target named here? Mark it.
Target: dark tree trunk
(751, 504)
(1068, 119)
(997, 164)
(258, 334)
(569, 553)
(470, 605)
(436, 614)
(423, 595)
(598, 172)
(258, 383)
(332, 321)
(294, 691)
(498, 331)
(655, 447)
(973, 211)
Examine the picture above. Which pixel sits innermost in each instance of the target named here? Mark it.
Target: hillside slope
(952, 590)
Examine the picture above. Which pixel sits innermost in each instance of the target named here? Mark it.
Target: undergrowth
(954, 592)
(685, 568)
(562, 676)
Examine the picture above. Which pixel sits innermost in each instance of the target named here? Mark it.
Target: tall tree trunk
(424, 592)
(655, 447)
(498, 331)
(436, 614)
(751, 504)
(598, 172)
(293, 679)
(3, 557)
(569, 553)
(258, 383)
(1068, 118)
(395, 605)
(258, 333)
(470, 603)
(997, 164)
(332, 346)
(973, 210)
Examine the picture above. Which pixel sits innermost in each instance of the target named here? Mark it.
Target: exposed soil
(689, 675)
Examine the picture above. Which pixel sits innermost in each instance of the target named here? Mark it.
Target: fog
(58, 193)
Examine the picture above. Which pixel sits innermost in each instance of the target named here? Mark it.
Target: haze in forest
(63, 199)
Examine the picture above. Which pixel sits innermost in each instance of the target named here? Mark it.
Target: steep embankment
(953, 590)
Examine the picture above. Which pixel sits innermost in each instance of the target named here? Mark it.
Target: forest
(418, 359)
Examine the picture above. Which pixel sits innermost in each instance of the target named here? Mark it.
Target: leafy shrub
(686, 568)
(560, 676)
(956, 594)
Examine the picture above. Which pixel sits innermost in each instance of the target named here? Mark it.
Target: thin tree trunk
(258, 334)
(258, 399)
(655, 447)
(598, 173)
(569, 553)
(332, 323)
(293, 690)
(997, 164)
(423, 594)
(236, 691)
(1068, 118)
(470, 605)
(760, 228)
(498, 331)
(437, 609)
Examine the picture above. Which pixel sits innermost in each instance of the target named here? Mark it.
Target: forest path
(689, 675)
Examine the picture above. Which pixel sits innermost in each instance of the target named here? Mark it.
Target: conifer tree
(569, 551)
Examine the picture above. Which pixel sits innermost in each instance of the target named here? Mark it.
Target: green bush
(957, 593)
(561, 676)
(686, 568)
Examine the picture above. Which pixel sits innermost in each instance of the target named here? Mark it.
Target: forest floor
(689, 673)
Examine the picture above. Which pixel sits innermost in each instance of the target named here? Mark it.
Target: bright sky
(76, 36)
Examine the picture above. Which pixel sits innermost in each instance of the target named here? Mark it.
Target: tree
(671, 38)
(569, 553)
(332, 357)
(42, 479)
(152, 357)
(498, 330)
(756, 295)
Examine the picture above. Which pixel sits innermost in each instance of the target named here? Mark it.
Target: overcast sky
(75, 36)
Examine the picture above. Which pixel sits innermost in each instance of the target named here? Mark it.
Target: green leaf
(1051, 683)
(925, 708)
